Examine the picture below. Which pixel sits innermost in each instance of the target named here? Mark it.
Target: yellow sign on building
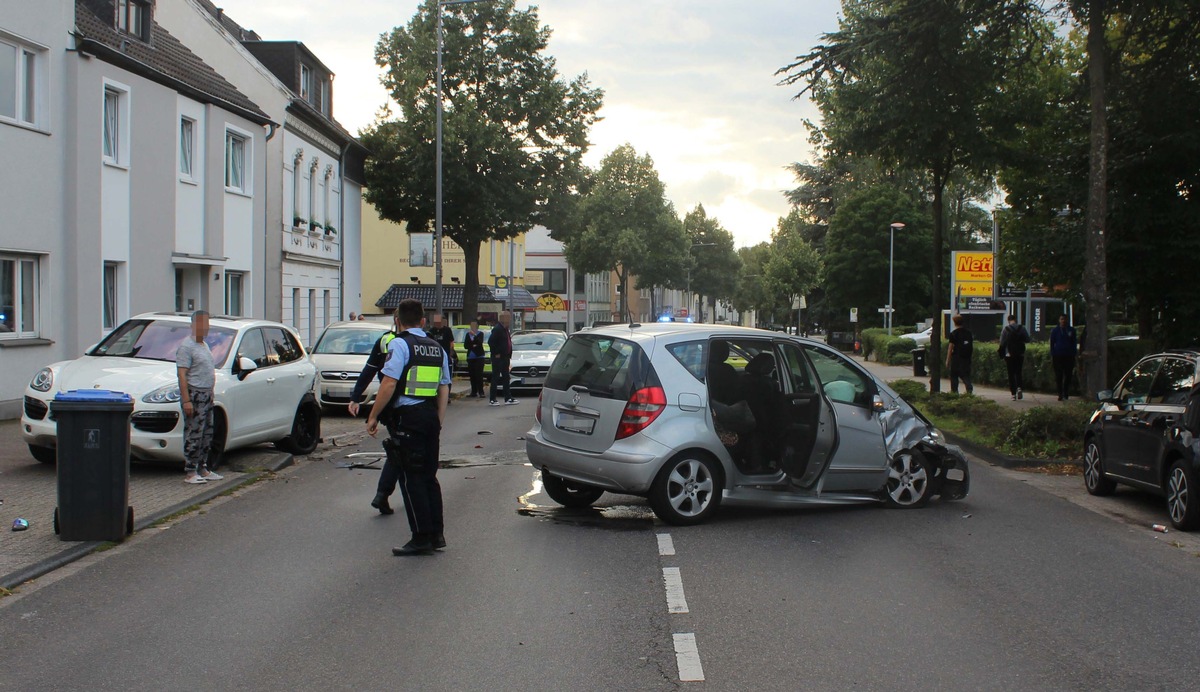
(974, 273)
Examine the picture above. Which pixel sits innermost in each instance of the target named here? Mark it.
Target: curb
(995, 458)
(81, 550)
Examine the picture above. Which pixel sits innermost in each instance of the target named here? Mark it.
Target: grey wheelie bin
(93, 465)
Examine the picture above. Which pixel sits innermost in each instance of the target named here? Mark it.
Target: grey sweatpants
(198, 431)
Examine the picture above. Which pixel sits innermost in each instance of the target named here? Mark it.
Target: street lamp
(891, 269)
(437, 236)
(689, 276)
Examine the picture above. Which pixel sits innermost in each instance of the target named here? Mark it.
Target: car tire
(306, 431)
(909, 480)
(216, 451)
(569, 493)
(46, 455)
(1093, 471)
(1183, 503)
(687, 490)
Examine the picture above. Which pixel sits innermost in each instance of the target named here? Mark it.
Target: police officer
(390, 472)
(419, 367)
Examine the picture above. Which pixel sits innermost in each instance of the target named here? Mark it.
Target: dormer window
(306, 83)
(133, 17)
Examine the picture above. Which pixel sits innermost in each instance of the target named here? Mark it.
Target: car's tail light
(538, 412)
(644, 406)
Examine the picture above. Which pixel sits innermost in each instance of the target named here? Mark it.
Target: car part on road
(687, 490)
(568, 493)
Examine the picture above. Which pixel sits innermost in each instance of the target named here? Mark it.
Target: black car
(1146, 434)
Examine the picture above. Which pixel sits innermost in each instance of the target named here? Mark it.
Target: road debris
(1159, 528)
(20, 525)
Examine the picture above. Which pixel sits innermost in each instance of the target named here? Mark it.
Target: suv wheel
(908, 483)
(1183, 506)
(216, 451)
(687, 490)
(1093, 471)
(569, 493)
(306, 431)
(46, 455)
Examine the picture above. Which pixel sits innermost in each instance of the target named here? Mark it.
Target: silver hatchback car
(696, 416)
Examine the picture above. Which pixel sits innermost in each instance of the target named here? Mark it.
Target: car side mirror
(1104, 396)
(245, 366)
(877, 404)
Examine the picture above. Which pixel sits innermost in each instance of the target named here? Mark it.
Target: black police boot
(381, 503)
(419, 545)
(437, 540)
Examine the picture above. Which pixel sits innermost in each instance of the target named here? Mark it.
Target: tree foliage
(514, 130)
(713, 261)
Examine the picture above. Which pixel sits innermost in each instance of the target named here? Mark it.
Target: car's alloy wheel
(1181, 503)
(1093, 471)
(908, 480)
(687, 490)
(569, 493)
(306, 431)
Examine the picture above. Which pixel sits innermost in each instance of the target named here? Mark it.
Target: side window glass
(294, 350)
(840, 381)
(1173, 382)
(278, 350)
(691, 355)
(252, 347)
(1135, 388)
(798, 370)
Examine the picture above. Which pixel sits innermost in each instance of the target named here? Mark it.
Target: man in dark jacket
(500, 343)
(1012, 350)
(444, 335)
(390, 473)
(1063, 346)
(958, 355)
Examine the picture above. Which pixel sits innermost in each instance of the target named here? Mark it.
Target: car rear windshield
(348, 341)
(160, 339)
(538, 342)
(606, 366)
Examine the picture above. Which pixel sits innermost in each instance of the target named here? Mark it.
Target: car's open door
(809, 432)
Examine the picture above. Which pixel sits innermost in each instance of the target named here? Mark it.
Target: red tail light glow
(644, 406)
(538, 412)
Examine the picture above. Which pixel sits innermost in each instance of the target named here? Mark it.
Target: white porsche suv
(263, 387)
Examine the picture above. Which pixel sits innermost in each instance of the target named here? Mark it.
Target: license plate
(570, 422)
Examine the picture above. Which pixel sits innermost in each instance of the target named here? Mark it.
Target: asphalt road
(291, 585)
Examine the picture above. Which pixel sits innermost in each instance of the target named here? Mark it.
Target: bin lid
(94, 396)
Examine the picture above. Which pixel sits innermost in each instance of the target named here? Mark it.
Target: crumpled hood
(134, 376)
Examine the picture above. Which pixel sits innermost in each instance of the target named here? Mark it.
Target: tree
(793, 269)
(752, 292)
(923, 85)
(625, 224)
(713, 262)
(514, 132)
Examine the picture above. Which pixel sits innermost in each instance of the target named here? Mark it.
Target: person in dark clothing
(390, 474)
(722, 378)
(473, 342)
(444, 335)
(958, 356)
(500, 343)
(1012, 350)
(1064, 344)
(416, 387)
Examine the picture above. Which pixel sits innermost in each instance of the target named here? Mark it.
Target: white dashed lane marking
(676, 603)
(687, 655)
(665, 545)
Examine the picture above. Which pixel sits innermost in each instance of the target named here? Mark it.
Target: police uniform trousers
(417, 428)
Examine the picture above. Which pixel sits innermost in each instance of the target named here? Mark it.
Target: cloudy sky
(691, 82)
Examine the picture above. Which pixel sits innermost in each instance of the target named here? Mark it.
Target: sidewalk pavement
(999, 395)
(28, 490)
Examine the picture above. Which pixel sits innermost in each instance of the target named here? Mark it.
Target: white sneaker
(510, 402)
(1020, 394)
(213, 476)
(494, 403)
(194, 479)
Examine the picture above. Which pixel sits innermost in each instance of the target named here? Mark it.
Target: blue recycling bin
(93, 465)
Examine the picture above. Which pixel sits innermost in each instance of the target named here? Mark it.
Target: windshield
(538, 342)
(160, 339)
(348, 341)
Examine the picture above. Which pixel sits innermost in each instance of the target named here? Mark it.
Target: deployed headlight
(43, 381)
(167, 394)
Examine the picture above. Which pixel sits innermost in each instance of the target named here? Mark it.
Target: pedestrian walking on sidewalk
(418, 370)
(389, 475)
(1064, 344)
(500, 344)
(473, 342)
(958, 356)
(197, 376)
(1012, 350)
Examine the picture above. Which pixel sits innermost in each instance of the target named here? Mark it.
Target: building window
(18, 296)
(312, 195)
(306, 77)
(187, 146)
(110, 295)
(133, 17)
(22, 69)
(325, 196)
(297, 218)
(235, 162)
(112, 125)
(178, 290)
(312, 315)
(326, 107)
(553, 281)
(234, 300)
(296, 308)
(325, 314)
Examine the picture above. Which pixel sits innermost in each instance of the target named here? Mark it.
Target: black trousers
(1015, 365)
(418, 429)
(960, 369)
(475, 372)
(1064, 367)
(500, 378)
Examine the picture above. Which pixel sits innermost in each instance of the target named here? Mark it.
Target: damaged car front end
(908, 432)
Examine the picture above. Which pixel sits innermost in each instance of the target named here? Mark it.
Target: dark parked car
(1146, 434)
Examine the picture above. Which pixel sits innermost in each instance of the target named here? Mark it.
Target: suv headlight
(43, 380)
(167, 394)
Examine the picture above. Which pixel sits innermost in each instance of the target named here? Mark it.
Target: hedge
(877, 345)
